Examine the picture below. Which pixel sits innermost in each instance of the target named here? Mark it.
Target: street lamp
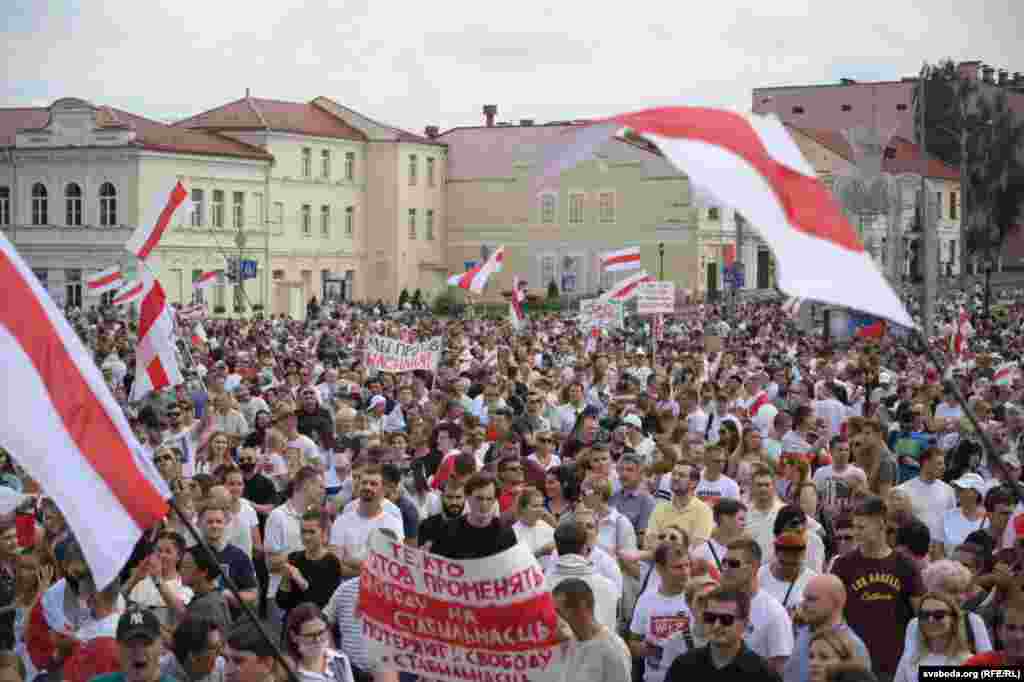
(661, 261)
(988, 283)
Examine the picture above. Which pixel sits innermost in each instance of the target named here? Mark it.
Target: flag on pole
(1005, 373)
(515, 307)
(198, 334)
(64, 427)
(623, 259)
(206, 280)
(156, 361)
(147, 235)
(130, 292)
(476, 279)
(751, 164)
(626, 289)
(105, 280)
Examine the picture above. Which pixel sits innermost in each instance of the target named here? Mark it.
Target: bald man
(822, 608)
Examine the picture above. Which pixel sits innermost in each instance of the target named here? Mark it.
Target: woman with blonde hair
(954, 580)
(828, 650)
(940, 638)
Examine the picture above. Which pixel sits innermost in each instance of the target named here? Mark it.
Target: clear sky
(438, 61)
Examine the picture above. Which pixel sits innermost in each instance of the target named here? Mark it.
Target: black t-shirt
(697, 664)
(260, 490)
(432, 529)
(237, 566)
(461, 540)
(323, 575)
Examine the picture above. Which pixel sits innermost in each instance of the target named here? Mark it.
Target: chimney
(490, 111)
(968, 70)
(988, 74)
(1004, 77)
(432, 131)
(526, 122)
(247, 93)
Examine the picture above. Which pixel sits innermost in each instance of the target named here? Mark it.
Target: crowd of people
(752, 500)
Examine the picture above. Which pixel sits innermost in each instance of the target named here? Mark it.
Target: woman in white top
(530, 528)
(214, 454)
(155, 579)
(961, 521)
(954, 580)
(307, 637)
(940, 639)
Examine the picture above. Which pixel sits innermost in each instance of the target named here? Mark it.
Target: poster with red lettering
(482, 619)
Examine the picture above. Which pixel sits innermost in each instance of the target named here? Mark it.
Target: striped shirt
(341, 610)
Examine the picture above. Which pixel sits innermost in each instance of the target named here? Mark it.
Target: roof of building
(848, 83)
(493, 151)
(906, 155)
(373, 129)
(252, 113)
(149, 134)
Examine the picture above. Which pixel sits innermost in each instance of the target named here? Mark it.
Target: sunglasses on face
(726, 619)
(844, 537)
(732, 563)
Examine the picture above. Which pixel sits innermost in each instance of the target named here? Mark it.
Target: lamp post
(661, 261)
(988, 284)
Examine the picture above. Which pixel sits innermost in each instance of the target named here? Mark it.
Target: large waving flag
(626, 289)
(104, 280)
(623, 259)
(515, 307)
(1006, 373)
(751, 164)
(130, 292)
(62, 425)
(154, 223)
(476, 279)
(206, 280)
(156, 362)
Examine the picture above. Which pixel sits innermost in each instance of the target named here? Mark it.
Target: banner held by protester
(394, 356)
(487, 619)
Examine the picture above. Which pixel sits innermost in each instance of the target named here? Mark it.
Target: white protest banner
(391, 355)
(480, 619)
(656, 297)
(602, 314)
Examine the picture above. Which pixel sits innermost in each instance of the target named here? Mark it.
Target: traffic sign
(656, 297)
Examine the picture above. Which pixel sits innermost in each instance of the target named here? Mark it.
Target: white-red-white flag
(626, 289)
(63, 426)
(130, 292)
(156, 362)
(198, 334)
(105, 280)
(476, 279)
(750, 163)
(623, 259)
(154, 223)
(207, 280)
(1006, 373)
(515, 307)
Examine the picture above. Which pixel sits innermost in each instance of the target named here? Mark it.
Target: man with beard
(350, 533)
(453, 504)
(685, 510)
(315, 421)
(479, 533)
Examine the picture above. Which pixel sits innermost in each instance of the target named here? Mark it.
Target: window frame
(5, 205)
(40, 204)
(238, 210)
(580, 219)
(350, 220)
(428, 224)
(306, 220)
(325, 164)
(325, 220)
(412, 224)
(73, 205)
(350, 166)
(413, 170)
(606, 214)
(307, 162)
(197, 217)
(217, 209)
(108, 205)
(431, 180)
(545, 199)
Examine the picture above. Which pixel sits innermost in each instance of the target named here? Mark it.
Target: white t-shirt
(770, 630)
(239, 532)
(656, 619)
(605, 658)
(944, 411)
(956, 528)
(535, 536)
(351, 531)
(282, 535)
(779, 588)
(310, 452)
(930, 502)
(385, 505)
(711, 492)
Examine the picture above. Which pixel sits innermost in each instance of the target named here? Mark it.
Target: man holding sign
(478, 533)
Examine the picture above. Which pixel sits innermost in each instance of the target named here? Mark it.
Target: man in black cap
(138, 638)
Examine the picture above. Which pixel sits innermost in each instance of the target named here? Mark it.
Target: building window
(325, 221)
(108, 205)
(39, 205)
(325, 164)
(570, 274)
(198, 295)
(430, 171)
(73, 200)
(953, 206)
(217, 208)
(198, 208)
(576, 208)
(350, 219)
(606, 207)
(307, 219)
(73, 287)
(607, 279)
(5, 205)
(307, 162)
(238, 210)
(412, 170)
(547, 208)
(938, 204)
(846, 107)
(350, 166)
(279, 212)
(257, 198)
(798, 110)
(430, 225)
(901, 107)
(713, 214)
(547, 270)
(412, 223)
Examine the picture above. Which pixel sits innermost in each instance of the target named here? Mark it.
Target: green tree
(403, 298)
(417, 298)
(552, 290)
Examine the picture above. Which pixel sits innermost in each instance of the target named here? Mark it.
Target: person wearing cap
(969, 516)
(139, 648)
(785, 575)
(376, 411)
(636, 439)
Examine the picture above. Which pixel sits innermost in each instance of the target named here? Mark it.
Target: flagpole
(230, 584)
(986, 443)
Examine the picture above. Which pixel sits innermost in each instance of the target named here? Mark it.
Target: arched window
(73, 203)
(108, 205)
(39, 205)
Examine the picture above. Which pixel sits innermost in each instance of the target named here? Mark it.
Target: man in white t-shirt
(350, 533)
(930, 496)
(834, 481)
(786, 576)
(283, 532)
(663, 613)
(715, 485)
(598, 654)
(730, 520)
(769, 630)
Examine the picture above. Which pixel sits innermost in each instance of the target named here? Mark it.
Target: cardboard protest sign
(391, 355)
(482, 619)
(602, 314)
